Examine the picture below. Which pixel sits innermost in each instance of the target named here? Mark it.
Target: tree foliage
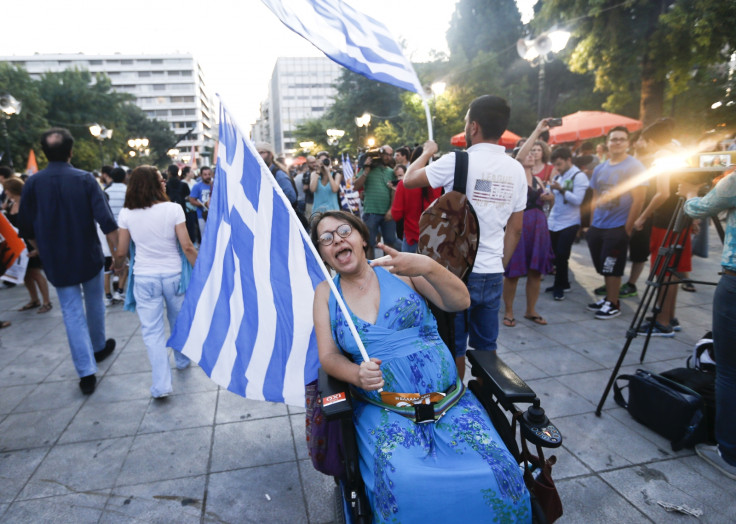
(639, 49)
(75, 99)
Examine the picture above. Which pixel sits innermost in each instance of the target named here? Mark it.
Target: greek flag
(350, 38)
(247, 314)
(347, 168)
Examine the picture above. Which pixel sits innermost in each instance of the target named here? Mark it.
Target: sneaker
(658, 330)
(596, 306)
(558, 295)
(600, 291)
(675, 325)
(117, 296)
(607, 310)
(108, 300)
(551, 289)
(712, 455)
(627, 290)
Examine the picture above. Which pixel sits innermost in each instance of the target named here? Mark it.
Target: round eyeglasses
(328, 237)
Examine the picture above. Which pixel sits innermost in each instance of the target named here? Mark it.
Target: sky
(235, 41)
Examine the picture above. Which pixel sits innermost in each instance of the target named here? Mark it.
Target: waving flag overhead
(350, 38)
(247, 315)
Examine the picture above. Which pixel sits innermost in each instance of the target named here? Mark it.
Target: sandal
(536, 319)
(509, 322)
(31, 305)
(4, 324)
(45, 308)
(689, 287)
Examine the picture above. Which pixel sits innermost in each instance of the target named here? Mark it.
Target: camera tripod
(657, 285)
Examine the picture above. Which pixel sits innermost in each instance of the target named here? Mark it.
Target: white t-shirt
(152, 230)
(496, 187)
(566, 210)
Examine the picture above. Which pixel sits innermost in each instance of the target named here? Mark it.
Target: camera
(326, 162)
(373, 154)
(554, 122)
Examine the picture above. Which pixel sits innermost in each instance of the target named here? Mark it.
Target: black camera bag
(674, 411)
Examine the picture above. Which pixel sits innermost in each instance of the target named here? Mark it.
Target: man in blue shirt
(617, 201)
(199, 197)
(58, 210)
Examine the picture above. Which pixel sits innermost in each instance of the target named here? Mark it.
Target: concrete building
(301, 88)
(168, 87)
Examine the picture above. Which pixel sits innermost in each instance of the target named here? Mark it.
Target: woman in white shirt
(155, 225)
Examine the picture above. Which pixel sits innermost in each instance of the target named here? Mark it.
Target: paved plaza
(207, 455)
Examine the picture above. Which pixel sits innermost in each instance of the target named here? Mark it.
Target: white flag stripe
(208, 300)
(256, 371)
(223, 368)
(301, 286)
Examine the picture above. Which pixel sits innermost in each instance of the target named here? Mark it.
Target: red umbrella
(507, 140)
(298, 161)
(589, 124)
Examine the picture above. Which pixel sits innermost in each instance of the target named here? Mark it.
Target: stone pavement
(206, 455)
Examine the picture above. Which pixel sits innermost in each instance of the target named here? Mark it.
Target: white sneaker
(712, 455)
(607, 311)
(118, 297)
(108, 302)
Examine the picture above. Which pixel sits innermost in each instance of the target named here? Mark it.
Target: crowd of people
(136, 235)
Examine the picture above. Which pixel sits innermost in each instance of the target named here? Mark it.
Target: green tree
(639, 48)
(26, 127)
(160, 136)
(75, 99)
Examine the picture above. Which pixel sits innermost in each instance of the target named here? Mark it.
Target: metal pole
(541, 89)
(7, 142)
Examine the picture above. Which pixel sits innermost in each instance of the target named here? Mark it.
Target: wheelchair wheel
(339, 504)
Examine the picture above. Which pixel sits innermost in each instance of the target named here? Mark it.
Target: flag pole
(429, 117)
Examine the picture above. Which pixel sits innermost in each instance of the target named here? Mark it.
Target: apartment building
(168, 87)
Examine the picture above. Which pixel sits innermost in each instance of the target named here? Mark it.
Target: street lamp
(307, 146)
(536, 52)
(334, 136)
(140, 145)
(9, 106)
(438, 88)
(101, 133)
(362, 121)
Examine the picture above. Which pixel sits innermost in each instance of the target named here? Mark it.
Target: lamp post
(536, 52)
(101, 133)
(139, 147)
(9, 106)
(363, 121)
(333, 138)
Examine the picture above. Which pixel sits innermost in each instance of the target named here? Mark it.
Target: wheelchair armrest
(334, 396)
(505, 385)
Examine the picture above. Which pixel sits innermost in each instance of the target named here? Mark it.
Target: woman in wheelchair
(456, 464)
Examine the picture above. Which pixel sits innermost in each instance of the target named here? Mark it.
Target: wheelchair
(497, 388)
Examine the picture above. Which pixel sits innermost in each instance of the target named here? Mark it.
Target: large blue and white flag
(247, 315)
(350, 38)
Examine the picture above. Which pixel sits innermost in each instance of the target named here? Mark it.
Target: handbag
(324, 437)
(538, 480)
(670, 409)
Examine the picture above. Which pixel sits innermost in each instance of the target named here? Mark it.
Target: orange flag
(32, 166)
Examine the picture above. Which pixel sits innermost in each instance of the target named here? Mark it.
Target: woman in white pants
(155, 225)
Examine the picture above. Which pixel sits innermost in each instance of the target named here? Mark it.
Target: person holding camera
(374, 177)
(721, 198)
(325, 185)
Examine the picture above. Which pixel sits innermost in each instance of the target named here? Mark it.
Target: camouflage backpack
(448, 228)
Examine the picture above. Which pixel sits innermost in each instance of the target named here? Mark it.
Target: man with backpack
(496, 187)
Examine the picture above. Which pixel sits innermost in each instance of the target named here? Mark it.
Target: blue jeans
(724, 333)
(374, 221)
(151, 292)
(406, 247)
(480, 320)
(85, 325)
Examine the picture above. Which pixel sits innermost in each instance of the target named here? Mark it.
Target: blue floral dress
(455, 467)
